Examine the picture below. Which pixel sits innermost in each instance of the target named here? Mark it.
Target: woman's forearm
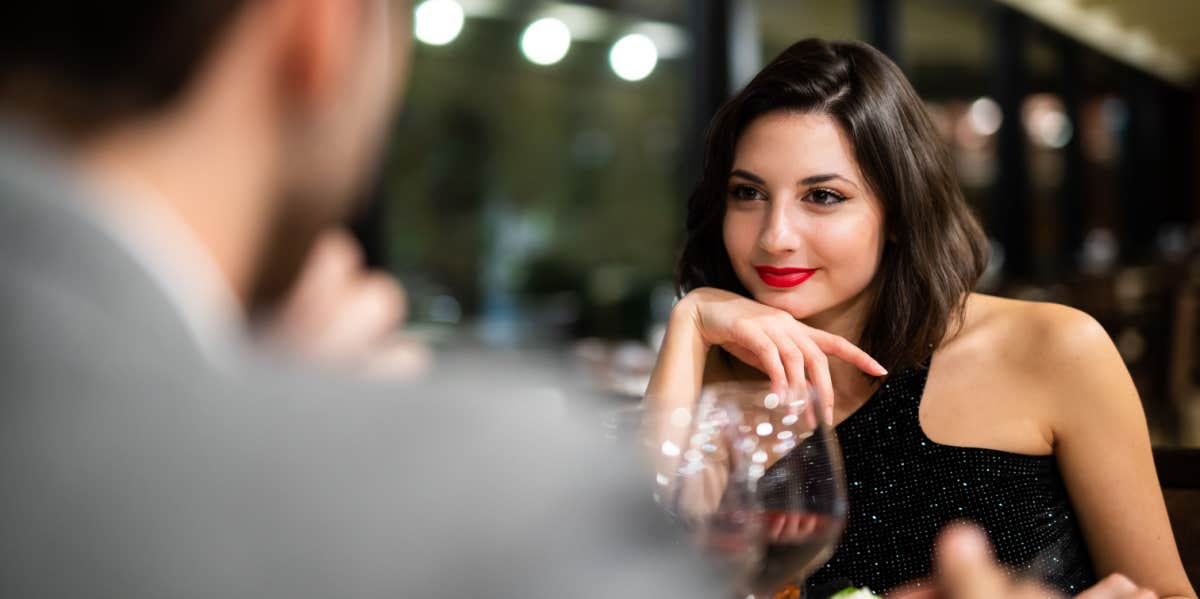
(673, 388)
(679, 371)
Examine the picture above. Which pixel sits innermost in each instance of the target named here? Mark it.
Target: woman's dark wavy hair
(936, 250)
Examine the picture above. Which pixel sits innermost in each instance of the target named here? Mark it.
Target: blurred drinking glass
(760, 487)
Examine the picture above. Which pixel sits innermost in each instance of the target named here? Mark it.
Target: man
(165, 165)
(966, 569)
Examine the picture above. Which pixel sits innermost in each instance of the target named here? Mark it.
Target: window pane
(527, 195)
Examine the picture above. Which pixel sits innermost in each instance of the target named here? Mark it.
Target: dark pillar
(1008, 214)
(880, 27)
(1143, 204)
(709, 24)
(1072, 207)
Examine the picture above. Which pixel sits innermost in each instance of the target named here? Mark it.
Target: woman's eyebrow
(748, 175)
(810, 180)
(815, 179)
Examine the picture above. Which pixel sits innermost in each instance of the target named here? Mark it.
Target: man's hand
(966, 569)
(340, 314)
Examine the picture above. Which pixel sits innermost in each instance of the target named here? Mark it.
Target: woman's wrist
(680, 367)
(684, 323)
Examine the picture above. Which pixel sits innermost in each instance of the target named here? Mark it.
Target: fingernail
(965, 544)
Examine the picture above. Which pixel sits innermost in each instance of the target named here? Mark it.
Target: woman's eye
(744, 192)
(826, 197)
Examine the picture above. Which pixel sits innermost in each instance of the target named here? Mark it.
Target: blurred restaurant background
(534, 191)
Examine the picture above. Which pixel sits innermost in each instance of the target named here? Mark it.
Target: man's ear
(317, 47)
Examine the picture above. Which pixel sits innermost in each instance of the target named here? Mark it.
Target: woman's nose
(779, 234)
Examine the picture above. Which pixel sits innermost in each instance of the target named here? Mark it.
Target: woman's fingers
(775, 526)
(794, 365)
(818, 372)
(767, 353)
(799, 527)
(838, 346)
(778, 357)
(794, 356)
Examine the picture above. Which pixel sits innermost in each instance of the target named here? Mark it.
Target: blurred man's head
(267, 113)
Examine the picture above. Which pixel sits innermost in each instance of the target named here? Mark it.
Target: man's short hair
(82, 66)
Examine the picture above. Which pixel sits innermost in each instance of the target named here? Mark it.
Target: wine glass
(800, 484)
(761, 486)
(712, 493)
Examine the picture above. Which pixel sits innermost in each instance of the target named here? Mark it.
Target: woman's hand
(792, 354)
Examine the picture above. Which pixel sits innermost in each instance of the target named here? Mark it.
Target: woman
(828, 219)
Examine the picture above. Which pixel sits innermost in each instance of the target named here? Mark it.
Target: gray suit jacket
(131, 468)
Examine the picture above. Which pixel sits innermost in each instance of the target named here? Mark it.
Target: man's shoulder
(457, 485)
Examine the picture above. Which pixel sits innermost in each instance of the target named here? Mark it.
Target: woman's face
(802, 228)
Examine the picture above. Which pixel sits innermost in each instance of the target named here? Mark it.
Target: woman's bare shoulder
(1014, 369)
(1052, 344)
(1045, 333)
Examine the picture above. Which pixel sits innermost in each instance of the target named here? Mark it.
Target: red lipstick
(784, 278)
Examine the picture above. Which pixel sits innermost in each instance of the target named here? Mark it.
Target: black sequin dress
(904, 488)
